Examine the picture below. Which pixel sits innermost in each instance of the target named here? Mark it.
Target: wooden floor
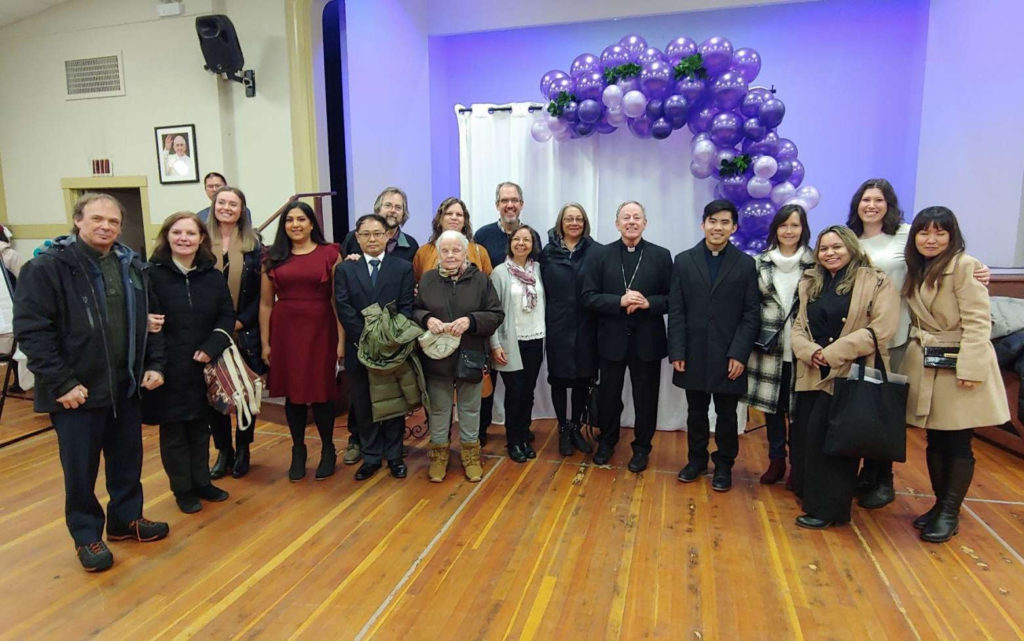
(548, 550)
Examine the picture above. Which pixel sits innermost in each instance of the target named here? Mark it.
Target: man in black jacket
(80, 316)
(626, 286)
(375, 278)
(713, 319)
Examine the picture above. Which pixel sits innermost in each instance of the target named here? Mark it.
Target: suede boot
(438, 462)
(776, 470)
(471, 461)
(937, 475)
(959, 472)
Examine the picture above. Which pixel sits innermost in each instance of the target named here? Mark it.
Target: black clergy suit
(710, 322)
(636, 340)
(354, 292)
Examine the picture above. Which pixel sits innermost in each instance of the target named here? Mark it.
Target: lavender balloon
(698, 170)
(616, 118)
(729, 89)
(555, 124)
(765, 167)
(641, 127)
(782, 193)
(612, 96)
(654, 109)
(703, 151)
(589, 111)
(656, 78)
(797, 176)
(756, 96)
(540, 132)
(700, 121)
(605, 127)
(679, 48)
(590, 86)
(786, 150)
(548, 78)
(771, 112)
(559, 85)
(633, 103)
(747, 63)
(628, 84)
(727, 153)
(691, 88)
(614, 56)
(584, 63)
(753, 129)
(650, 54)
(809, 195)
(661, 129)
(759, 187)
(633, 44)
(717, 54)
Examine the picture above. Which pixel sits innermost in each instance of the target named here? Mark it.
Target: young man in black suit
(626, 288)
(713, 319)
(376, 277)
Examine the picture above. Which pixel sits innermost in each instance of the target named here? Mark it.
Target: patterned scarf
(526, 279)
(452, 273)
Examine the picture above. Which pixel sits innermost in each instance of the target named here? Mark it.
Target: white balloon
(540, 132)
(555, 125)
(699, 170)
(724, 154)
(797, 201)
(765, 166)
(809, 195)
(704, 152)
(616, 118)
(634, 103)
(759, 187)
(563, 135)
(612, 96)
(783, 192)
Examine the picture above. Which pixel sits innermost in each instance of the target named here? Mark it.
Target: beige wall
(44, 138)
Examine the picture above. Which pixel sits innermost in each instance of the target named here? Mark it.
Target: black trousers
(775, 424)
(951, 443)
(185, 453)
(377, 439)
(645, 377)
(826, 484)
(519, 386)
(82, 434)
(220, 430)
(578, 389)
(698, 428)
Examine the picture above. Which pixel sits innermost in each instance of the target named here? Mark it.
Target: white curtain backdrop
(599, 172)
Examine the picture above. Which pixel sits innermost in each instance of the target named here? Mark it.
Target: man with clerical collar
(80, 315)
(713, 320)
(626, 287)
(393, 206)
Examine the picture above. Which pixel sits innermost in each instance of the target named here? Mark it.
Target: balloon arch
(704, 87)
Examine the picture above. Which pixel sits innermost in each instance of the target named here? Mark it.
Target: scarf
(235, 264)
(527, 280)
(452, 273)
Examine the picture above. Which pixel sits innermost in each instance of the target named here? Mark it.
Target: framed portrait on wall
(176, 154)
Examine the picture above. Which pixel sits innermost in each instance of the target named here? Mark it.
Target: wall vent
(100, 77)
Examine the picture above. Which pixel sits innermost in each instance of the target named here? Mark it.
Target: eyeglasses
(392, 207)
(509, 201)
(573, 219)
(376, 235)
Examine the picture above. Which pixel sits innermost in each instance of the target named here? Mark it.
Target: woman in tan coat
(841, 298)
(948, 309)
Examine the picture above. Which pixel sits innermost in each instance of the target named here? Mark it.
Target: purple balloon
(676, 107)
(661, 129)
(783, 173)
(771, 112)
(691, 88)
(560, 85)
(756, 217)
(747, 63)
(605, 127)
(753, 129)
(764, 147)
(797, 176)
(589, 111)
(614, 56)
(590, 86)
(548, 78)
(753, 100)
(786, 150)
(726, 129)
(700, 121)
(679, 48)
(584, 63)
(650, 54)
(655, 109)
(634, 44)
(678, 122)
(641, 127)
(656, 79)
(734, 188)
(729, 90)
(571, 112)
(755, 246)
(584, 129)
(716, 53)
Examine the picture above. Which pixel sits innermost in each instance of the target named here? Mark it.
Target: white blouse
(886, 253)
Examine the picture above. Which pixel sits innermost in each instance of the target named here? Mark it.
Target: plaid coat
(764, 369)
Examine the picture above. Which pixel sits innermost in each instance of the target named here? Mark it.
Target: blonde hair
(858, 259)
(246, 234)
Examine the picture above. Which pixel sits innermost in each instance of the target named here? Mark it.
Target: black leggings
(323, 416)
(950, 443)
(559, 387)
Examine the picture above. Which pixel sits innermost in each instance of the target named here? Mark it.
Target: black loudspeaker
(219, 43)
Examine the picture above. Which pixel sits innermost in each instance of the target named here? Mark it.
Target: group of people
(115, 342)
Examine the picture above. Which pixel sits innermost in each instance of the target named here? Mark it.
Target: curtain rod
(532, 108)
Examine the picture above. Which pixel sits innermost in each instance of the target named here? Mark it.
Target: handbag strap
(879, 363)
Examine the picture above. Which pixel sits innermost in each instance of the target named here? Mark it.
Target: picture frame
(177, 156)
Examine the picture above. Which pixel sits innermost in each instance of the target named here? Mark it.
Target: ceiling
(15, 10)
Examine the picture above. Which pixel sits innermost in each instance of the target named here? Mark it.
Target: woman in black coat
(194, 302)
(571, 344)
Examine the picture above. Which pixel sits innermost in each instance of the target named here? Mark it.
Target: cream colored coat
(955, 312)
(873, 303)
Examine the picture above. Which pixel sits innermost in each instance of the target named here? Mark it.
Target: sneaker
(95, 557)
(141, 529)
(352, 454)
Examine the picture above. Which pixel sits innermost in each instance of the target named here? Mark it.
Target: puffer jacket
(387, 348)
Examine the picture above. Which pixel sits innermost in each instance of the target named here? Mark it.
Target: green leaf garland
(735, 167)
(558, 105)
(628, 70)
(691, 66)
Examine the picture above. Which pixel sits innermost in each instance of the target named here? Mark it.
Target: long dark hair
(162, 250)
(923, 271)
(893, 214)
(782, 216)
(281, 249)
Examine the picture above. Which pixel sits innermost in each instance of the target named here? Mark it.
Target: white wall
(44, 138)
(971, 153)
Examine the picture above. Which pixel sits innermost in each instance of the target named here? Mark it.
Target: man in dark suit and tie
(376, 277)
(626, 288)
(713, 319)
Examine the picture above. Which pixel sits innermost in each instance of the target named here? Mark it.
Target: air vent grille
(98, 77)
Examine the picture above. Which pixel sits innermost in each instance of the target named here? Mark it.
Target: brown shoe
(776, 470)
(471, 461)
(438, 462)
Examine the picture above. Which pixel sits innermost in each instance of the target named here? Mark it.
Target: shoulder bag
(231, 385)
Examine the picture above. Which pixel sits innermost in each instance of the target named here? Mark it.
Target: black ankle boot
(241, 466)
(881, 495)
(328, 459)
(225, 459)
(959, 472)
(564, 440)
(868, 477)
(298, 468)
(937, 475)
(578, 440)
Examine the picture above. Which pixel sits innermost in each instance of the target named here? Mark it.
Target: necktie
(375, 269)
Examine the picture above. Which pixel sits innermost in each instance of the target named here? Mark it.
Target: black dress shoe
(241, 466)
(211, 493)
(95, 557)
(529, 450)
(691, 473)
(398, 469)
(366, 470)
(721, 481)
(813, 522)
(517, 453)
(225, 460)
(189, 504)
(638, 463)
(603, 454)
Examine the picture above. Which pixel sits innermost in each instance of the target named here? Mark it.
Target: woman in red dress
(300, 331)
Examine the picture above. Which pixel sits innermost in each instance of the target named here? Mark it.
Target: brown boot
(471, 461)
(776, 470)
(438, 462)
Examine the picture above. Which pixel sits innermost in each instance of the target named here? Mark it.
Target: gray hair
(497, 190)
(451, 234)
(631, 202)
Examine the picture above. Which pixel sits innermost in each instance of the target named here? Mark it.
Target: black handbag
(767, 340)
(941, 357)
(470, 364)
(868, 419)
